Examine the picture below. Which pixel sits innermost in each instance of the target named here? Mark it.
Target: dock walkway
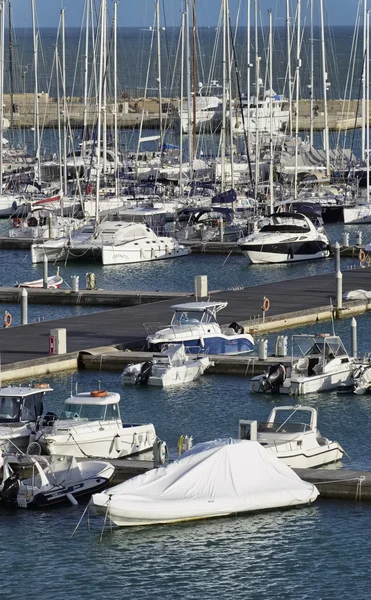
(291, 301)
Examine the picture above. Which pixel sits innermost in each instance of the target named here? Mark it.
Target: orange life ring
(42, 386)
(99, 393)
(266, 304)
(7, 319)
(362, 256)
(17, 222)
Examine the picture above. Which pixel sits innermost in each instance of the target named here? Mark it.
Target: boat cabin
(92, 406)
(195, 313)
(285, 421)
(21, 404)
(316, 351)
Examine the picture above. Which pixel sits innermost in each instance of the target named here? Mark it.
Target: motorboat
(112, 242)
(362, 381)
(195, 325)
(285, 237)
(213, 479)
(172, 366)
(323, 365)
(90, 426)
(54, 282)
(41, 224)
(54, 480)
(20, 409)
(291, 433)
(263, 115)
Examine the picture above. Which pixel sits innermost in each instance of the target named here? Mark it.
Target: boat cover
(213, 479)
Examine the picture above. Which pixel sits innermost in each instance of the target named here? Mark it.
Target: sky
(139, 13)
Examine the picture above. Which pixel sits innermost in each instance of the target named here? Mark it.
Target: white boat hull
(129, 253)
(298, 458)
(262, 257)
(171, 376)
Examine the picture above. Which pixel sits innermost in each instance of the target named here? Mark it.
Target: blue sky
(140, 12)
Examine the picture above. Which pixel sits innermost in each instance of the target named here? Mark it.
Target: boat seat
(302, 365)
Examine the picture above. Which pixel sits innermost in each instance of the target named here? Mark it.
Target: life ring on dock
(266, 304)
(17, 222)
(99, 393)
(7, 319)
(362, 256)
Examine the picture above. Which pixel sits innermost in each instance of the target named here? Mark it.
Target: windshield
(185, 317)
(9, 409)
(90, 412)
(316, 345)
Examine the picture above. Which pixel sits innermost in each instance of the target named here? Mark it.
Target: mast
(181, 109)
(230, 93)
(257, 77)
(115, 95)
(324, 76)
(224, 83)
(289, 75)
(35, 36)
(2, 29)
(271, 187)
(159, 72)
(194, 32)
(311, 86)
(298, 65)
(368, 105)
(11, 80)
(100, 90)
(364, 81)
(248, 66)
(189, 95)
(86, 67)
(104, 99)
(59, 119)
(64, 104)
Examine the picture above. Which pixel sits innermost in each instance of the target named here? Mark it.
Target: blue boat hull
(238, 344)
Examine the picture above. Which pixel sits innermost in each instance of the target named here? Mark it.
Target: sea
(317, 552)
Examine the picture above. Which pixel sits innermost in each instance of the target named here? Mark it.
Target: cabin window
(9, 409)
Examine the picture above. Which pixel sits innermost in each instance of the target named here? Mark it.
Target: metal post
(24, 306)
(353, 327)
(337, 257)
(45, 273)
(339, 293)
(221, 230)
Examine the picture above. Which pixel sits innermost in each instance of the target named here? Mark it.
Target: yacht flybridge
(195, 325)
(286, 237)
(324, 364)
(291, 433)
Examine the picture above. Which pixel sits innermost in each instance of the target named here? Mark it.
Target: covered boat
(171, 366)
(214, 479)
(53, 283)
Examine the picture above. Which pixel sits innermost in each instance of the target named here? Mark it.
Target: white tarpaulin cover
(357, 295)
(213, 479)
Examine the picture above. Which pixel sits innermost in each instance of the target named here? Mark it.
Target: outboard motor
(236, 327)
(274, 379)
(10, 489)
(145, 373)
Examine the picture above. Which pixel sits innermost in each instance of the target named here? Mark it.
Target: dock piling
(337, 257)
(45, 272)
(353, 327)
(24, 306)
(339, 293)
(359, 238)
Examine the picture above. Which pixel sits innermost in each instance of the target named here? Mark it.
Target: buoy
(72, 499)
(117, 442)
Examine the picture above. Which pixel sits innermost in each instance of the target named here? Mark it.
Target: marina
(185, 286)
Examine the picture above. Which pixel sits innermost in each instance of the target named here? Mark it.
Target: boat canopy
(321, 344)
(89, 398)
(200, 306)
(23, 391)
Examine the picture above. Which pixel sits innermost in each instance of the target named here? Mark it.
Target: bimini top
(95, 398)
(200, 306)
(24, 391)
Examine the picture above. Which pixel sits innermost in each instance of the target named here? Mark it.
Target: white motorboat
(261, 115)
(42, 224)
(293, 437)
(213, 479)
(286, 237)
(20, 409)
(324, 365)
(54, 282)
(114, 242)
(90, 426)
(54, 480)
(195, 325)
(171, 366)
(362, 381)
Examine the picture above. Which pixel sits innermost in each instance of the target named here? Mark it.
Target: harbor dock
(292, 302)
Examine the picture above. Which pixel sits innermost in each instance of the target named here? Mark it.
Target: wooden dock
(292, 302)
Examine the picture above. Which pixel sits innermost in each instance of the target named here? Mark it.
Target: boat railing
(152, 328)
(282, 428)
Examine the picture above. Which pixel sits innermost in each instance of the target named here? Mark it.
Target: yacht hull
(285, 252)
(211, 345)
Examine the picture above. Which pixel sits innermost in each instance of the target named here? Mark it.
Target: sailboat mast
(298, 64)
(158, 31)
(2, 29)
(86, 67)
(367, 107)
(194, 32)
(271, 186)
(289, 74)
(181, 109)
(100, 91)
(257, 84)
(324, 76)
(35, 36)
(63, 31)
(224, 83)
(115, 95)
(189, 95)
(311, 74)
(364, 82)
(11, 80)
